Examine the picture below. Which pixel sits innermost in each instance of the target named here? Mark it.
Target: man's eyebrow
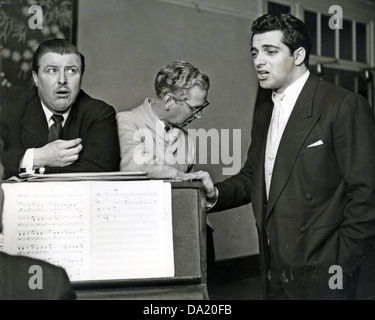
(50, 66)
(56, 66)
(267, 46)
(270, 46)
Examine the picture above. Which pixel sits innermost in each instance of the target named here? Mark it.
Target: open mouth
(262, 75)
(62, 93)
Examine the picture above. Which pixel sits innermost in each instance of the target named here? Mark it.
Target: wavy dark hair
(296, 34)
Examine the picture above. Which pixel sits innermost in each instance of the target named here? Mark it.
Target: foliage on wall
(18, 41)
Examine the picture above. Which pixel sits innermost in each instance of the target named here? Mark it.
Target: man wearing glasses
(152, 137)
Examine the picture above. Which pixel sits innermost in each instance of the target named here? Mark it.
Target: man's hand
(59, 153)
(204, 176)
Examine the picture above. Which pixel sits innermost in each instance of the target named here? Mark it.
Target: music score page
(95, 230)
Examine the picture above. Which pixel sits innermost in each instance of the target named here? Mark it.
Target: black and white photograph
(187, 154)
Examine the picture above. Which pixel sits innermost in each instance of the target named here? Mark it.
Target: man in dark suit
(24, 278)
(309, 174)
(56, 127)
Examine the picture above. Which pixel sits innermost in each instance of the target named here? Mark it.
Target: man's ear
(299, 56)
(168, 100)
(35, 78)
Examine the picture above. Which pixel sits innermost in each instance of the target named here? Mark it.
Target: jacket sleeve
(354, 144)
(101, 150)
(63, 289)
(12, 149)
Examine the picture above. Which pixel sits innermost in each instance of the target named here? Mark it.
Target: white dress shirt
(283, 107)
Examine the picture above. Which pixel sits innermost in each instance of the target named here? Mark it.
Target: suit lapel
(34, 123)
(259, 147)
(300, 124)
(145, 114)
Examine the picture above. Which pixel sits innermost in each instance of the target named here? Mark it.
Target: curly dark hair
(296, 34)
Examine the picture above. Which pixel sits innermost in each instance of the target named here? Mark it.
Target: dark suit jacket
(15, 276)
(23, 125)
(321, 207)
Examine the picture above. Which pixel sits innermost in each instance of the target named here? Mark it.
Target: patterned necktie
(55, 132)
(275, 121)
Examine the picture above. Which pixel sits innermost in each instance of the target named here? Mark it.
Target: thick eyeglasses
(194, 110)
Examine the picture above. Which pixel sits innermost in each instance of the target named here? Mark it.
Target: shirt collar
(49, 113)
(150, 101)
(292, 92)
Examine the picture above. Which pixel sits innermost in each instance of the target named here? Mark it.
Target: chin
(62, 107)
(265, 85)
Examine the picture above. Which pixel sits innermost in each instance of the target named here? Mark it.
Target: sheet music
(95, 230)
(132, 230)
(49, 222)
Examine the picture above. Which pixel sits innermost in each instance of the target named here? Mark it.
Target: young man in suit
(309, 174)
(17, 272)
(57, 127)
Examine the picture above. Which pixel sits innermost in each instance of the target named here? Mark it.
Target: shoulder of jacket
(85, 99)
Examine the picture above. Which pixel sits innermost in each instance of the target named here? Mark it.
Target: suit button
(308, 196)
(303, 229)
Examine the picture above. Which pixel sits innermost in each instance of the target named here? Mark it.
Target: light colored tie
(275, 121)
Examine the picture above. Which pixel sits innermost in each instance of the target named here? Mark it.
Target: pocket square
(315, 144)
